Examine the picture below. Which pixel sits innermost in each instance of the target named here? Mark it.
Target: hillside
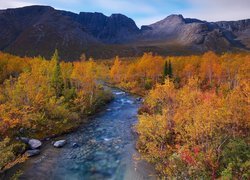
(38, 30)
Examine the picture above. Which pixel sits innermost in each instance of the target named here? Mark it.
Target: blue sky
(148, 11)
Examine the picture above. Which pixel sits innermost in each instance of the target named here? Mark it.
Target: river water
(105, 149)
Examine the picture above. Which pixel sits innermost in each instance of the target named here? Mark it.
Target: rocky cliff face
(238, 30)
(38, 30)
(197, 35)
(119, 29)
(114, 29)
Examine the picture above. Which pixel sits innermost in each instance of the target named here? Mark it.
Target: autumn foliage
(41, 98)
(142, 74)
(138, 75)
(195, 123)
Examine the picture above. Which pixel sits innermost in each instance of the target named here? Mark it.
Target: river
(105, 149)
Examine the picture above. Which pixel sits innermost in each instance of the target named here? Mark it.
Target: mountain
(38, 30)
(196, 34)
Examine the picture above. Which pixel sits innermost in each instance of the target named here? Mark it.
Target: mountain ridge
(38, 30)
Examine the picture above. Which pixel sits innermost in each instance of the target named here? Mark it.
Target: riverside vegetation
(194, 121)
(40, 98)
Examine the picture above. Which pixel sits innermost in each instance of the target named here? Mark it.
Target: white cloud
(125, 6)
(149, 11)
(216, 10)
(21, 3)
(4, 4)
(209, 10)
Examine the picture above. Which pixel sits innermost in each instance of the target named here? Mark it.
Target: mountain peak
(123, 21)
(27, 10)
(173, 19)
(31, 7)
(178, 18)
(117, 15)
(46, 28)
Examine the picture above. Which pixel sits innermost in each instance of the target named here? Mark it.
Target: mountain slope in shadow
(38, 30)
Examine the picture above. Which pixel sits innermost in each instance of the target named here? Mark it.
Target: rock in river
(139, 99)
(75, 145)
(59, 143)
(31, 153)
(24, 139)
(34, 143)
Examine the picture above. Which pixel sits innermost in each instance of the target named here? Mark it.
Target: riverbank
(58, 130)
(106, 148)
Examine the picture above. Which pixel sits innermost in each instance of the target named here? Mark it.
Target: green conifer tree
(165, 72)
(57, 80)
(170, 70)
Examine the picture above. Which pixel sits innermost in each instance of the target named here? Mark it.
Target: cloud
(14, 3)
(149, 11)
(126, 6)
(4, 4)
(209, 10)
(216, 10)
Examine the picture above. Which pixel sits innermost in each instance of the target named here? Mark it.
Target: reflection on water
(103, 149)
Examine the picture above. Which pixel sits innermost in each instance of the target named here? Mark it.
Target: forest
(194, 120)
(42, 98)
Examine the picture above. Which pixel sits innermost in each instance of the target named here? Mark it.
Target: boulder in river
(60, 143)
(119, 93)
(139, 99)
(21, 130)
(75, 145)
(34, 143)
(33, 152)
(24, 140)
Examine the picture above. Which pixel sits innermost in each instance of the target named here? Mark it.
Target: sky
(146, 12)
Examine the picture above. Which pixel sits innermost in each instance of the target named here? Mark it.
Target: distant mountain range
(38, 30)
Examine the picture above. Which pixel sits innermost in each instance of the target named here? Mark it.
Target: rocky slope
(38, 30)
(197, 35)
